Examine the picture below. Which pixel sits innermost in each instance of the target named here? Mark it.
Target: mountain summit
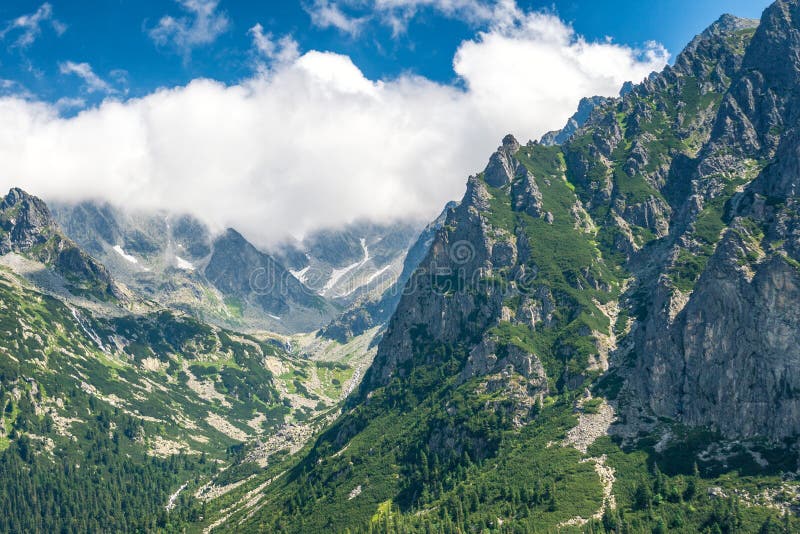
(28, 228)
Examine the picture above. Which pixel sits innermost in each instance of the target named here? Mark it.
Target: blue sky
(115, 38)
(280, 117)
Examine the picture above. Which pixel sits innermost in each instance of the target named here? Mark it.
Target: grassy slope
(118, 395)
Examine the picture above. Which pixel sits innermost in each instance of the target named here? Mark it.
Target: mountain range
(289, 287)
(603, 335)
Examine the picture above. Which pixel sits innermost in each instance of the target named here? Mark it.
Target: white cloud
(341, 14)
(283, 50)
(313, 142)
(92, 82)
(67, 103)
(29, 26)
(539, 63)
(328, 14)
(9, 88)
(202, 26)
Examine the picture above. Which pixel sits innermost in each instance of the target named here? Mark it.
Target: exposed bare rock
(592, 424)
(488, 358)
(502, 165)
(525, 193)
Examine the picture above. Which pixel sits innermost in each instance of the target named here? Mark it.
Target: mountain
(718, 347)
(27, 228)
(241, 272)
(585, 108)
(178, 262)
(371, 311)
(109, 409)
(357, 261)
(602, 336)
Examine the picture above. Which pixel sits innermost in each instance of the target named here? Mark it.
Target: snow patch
(128, 257)
(183, 264)
(301, 274)
(274, 317)
(337, 274)
(377, 274)
(367, 282)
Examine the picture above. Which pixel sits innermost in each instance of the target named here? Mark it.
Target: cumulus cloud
(313, 142)
(201, 26)
(29, 27)
(540, 64)
(92, 82)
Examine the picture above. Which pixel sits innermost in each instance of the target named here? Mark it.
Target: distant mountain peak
(15, 194)
(585, 108)
(711, 41)
(24, 220)
(510, 143)
(728, 22)
(27, 227)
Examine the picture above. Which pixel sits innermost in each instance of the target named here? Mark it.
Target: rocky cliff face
(513, 263)
(723, 352)
(435, 298)
(370, 310)
(682, 267)
(255, 279)
(585, 109)
(27, 228)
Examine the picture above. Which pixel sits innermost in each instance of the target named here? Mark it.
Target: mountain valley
(602, 335)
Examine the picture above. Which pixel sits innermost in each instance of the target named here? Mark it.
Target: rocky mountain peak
(14, 196)
(774, 48)
(761, 104)
(255, 279)
(717, 52)
(232, 235)
(510, 143)
(730, 23)
(726, 25)
(585, 108)
(502, 165)
(712, 353)
(25, 220)
(27, 227)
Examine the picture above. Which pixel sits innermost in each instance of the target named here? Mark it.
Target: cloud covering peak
(312, 141)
